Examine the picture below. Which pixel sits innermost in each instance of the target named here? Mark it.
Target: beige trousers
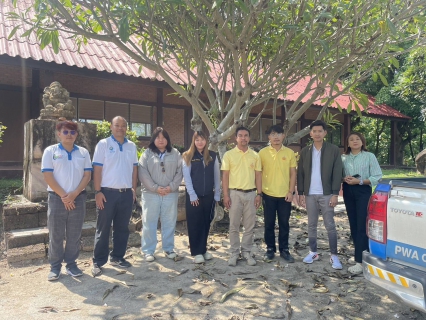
(242, 208)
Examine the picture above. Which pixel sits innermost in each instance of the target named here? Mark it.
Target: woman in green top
(362, 172)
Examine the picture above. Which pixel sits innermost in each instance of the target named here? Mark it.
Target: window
(257, 132)
(334, 136)
(138, 116)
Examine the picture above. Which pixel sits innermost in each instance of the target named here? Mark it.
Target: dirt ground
(167, 289)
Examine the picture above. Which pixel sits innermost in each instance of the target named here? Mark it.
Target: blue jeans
(156, 207)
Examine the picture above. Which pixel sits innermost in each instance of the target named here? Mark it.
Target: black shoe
(269, 254)
(287, 256)
(120, 263)
(96, 270)
(74, 271)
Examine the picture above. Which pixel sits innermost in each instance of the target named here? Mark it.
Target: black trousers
(117, 210)
(198, 219)
(356, 199)
(273, 207)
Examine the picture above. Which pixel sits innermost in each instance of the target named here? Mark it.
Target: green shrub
(104, 131)
(2, 128)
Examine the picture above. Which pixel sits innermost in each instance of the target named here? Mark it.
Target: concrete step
(39, 251)
(32, 236)
(23, 214)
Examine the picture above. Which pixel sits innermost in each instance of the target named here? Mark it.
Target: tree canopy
(235, 55)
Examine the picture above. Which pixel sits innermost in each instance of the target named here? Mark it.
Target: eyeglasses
(72, 132)
(162, 167)
(274, 135)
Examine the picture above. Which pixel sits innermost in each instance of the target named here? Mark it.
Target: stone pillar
(38, 135)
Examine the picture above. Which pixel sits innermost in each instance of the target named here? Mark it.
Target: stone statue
(57, 103)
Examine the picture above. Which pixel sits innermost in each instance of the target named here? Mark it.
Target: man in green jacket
(319, 176)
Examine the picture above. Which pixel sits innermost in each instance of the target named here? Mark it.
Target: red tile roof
(106, 56)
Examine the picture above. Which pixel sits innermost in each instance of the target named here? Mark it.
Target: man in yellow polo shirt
(242, 177)
(278, 188)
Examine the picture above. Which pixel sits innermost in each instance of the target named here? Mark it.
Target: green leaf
(394, 61)
(67, 3)
(384, 80)
(12, 33)
(55, 41)
(357, 109)
(326, 15)
(123, 29)
(324, 45)
(140, 69)
(349, 109)
(243, 6)
(391, 26)
(290, 26)
(310, 52)
(338, 106)
(144, 47)
(217, 4)
(375, 76)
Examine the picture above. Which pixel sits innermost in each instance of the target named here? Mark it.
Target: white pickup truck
(396, 227)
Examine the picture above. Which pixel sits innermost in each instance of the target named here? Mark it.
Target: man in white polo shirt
(115, 166)
(67, 170)
(319, 176)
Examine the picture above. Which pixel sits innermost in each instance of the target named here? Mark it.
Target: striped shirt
(365, 164)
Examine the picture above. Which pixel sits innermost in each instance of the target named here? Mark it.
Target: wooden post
(392, 147)
(160, 121)
(346, 129)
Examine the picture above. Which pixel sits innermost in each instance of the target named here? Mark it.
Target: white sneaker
(208, 256)
(352, 260)
(249, 258)
(311, 257)
(170, 254)
(199, 258)
(335, 262)
(356, 269)
(149, 257)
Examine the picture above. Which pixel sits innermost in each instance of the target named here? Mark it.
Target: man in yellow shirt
(278, 188)
(242, 177)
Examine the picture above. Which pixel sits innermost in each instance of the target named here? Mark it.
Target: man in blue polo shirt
(115, 164)
(67, 170)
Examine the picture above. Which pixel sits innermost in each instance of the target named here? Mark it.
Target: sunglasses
(72, 132)
(162, 167)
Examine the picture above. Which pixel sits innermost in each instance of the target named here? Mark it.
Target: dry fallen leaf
(70, 310)
(180, 292)
(207, 292)
(121, 272)
(47, 309)
(149, 296)
(108, 291)
(230, 292)
(180, 273)
(352, 289)
(204, 303)
(178, 258)
(193, 292)
(320, 290)
(289, 309)
(251, 306)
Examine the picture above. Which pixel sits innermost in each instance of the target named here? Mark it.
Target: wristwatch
(260, 194)
(361, 182)
(97, 191)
